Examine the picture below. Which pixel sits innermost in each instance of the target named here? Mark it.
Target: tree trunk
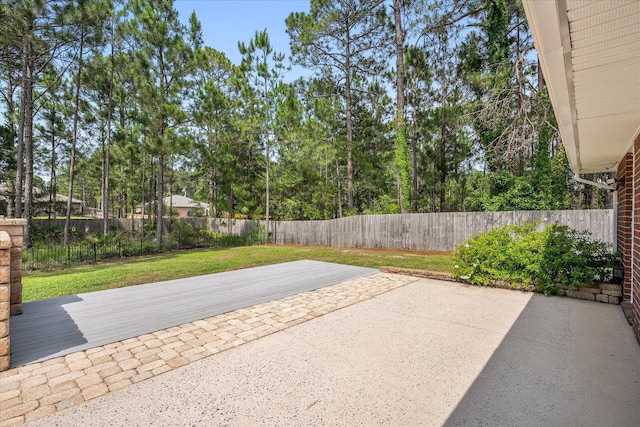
(142, 210)
(52, 172)
(102, 171)
(401, 154)
(107, 165)
(266, 140)
(153, 205)
(414, 149)
(171, 188)
(25, 138)
(159, 223)
(540, 77)
(28, 154)
(442, 166)
(443, 152)
(231, 210)
(339, 188)
(133, 210)
(213, 192)
(74, 141)
(349, 118)
(11, 123)
(25, 95)
(122, 205)
(590, 192)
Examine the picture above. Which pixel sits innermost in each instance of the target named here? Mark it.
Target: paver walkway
(34, 390)
(61, 326)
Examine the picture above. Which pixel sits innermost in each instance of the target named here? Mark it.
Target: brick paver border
(35, 390)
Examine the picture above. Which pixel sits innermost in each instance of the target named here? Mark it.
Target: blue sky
(225, 22)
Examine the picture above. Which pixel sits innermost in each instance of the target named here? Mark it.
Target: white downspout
(595, 184)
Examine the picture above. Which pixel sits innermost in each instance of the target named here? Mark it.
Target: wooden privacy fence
(418, 232)
(94, 226)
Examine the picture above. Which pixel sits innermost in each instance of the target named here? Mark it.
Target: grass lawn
(136, 271)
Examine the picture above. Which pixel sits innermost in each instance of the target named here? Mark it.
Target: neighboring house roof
(590, 57)
(44, 197)
(177, 201)
(40, 196)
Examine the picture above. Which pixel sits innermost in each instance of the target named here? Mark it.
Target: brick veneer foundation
(11, 231)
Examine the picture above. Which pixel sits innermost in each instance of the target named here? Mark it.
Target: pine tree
(163, 56)
(345, 37)
(88, 17)
(264, 68)
(214, 115)
(401, 136)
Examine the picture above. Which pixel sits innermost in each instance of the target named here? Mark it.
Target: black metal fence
(43, 256)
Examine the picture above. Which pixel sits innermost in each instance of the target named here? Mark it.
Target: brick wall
(625, 194)
(10, 281)
(629, 230)
(634, 294)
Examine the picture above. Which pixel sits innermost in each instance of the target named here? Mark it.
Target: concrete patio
(377, 350)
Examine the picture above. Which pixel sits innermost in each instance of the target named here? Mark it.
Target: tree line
(407, 106)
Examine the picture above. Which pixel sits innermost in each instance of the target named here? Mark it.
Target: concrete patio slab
(426, 353)
(34, 390)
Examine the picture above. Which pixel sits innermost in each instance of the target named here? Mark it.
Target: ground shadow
(563, 362)
(44, 328)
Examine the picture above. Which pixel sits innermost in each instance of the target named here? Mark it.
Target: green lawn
(135, 271)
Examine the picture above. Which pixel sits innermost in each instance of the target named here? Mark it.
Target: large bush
(522, 254)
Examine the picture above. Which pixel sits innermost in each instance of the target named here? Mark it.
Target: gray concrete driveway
(428, 353)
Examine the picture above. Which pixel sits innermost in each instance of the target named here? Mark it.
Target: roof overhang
(590, 57)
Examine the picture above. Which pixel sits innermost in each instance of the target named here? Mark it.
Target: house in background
(57, 206)
(44, 203)
(590, 57)
(186, 207)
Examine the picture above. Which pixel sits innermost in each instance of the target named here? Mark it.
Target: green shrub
(150, 248)
(521, 254)
(184, 235)
(256, 236)
(43, 234)
(571, 258)
(384, 204)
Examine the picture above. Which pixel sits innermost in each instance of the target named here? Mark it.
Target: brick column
(11, 231)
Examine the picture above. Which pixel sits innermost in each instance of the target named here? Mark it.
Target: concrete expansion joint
(32, 391)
